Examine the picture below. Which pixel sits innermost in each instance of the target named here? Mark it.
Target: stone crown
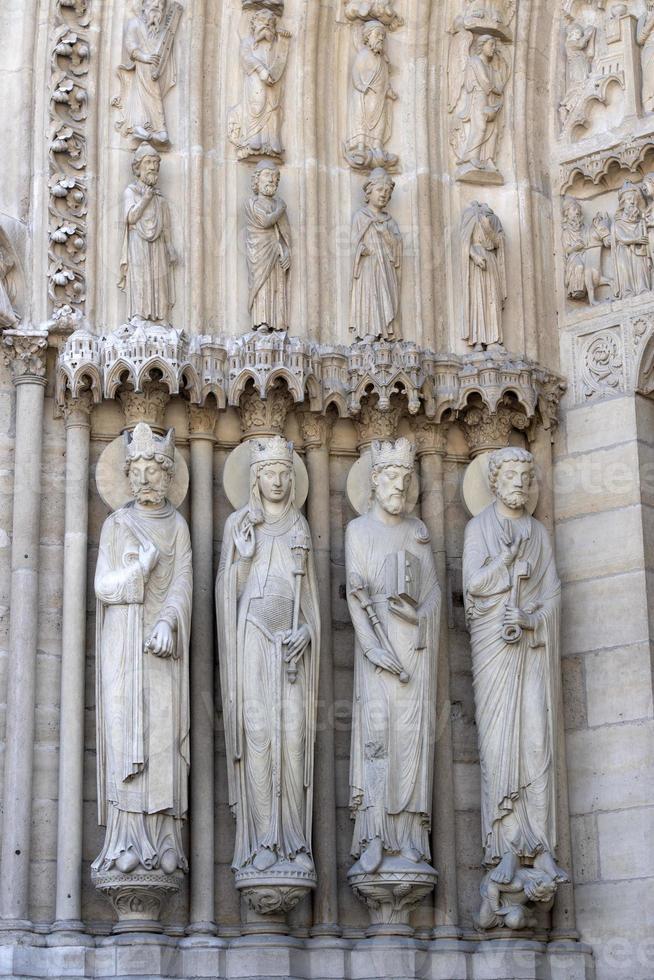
(276, 450)
(400, 453)
(143, 443)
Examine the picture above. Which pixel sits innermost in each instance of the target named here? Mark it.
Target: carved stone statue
(394, 602)
(268, 250)
(630, 242)
(645, 38)
(8, 315)
(484, 276)
(511, 903)
(512, 599)
(381, 10)
(255, 125)
(579, 50)
(377, 246)
(143, 584)
(370, 123)
(478, 76)
(148, 70)
(148, 255)
(269, 642)
(582, 248)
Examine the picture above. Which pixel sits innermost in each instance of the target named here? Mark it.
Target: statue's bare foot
(545, 862)
(506, 869)
(264, 860)
(168, 863)
(372, 857)
(127, 861)
(412, 854)
(304, 861)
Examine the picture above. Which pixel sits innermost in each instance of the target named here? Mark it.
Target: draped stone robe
(369, 115)
(484, 85)
(142, 699)
(146, 271)
(269, 721)
(484, 290)
(266, 242)
(144, 103)
(393, 724)
(516, 687)
(375, 301)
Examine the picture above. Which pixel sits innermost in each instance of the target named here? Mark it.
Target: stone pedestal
(138, 897)
(270, 895)
(392, 893)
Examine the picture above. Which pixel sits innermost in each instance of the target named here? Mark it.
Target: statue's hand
(403, 609)
(510, 547)
(297, 642)
(162, 641)
(172, 256)
(244, 538)
(148, 557)
(384, 660)
(518, 617)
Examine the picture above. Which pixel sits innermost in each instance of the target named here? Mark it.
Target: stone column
(202, 422)
(316, 434)
(25, 351)
(431, 446)
(68, 912)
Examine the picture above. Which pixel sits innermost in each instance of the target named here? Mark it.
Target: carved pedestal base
(392, 892)
(138, 897)
(271, 894)
(467, 173)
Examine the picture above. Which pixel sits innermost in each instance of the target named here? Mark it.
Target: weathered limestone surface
(513, 273)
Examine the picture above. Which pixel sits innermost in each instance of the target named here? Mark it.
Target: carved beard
(150, 179)
(515, 499)
(153, 17)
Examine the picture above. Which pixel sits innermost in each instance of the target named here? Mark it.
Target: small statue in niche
(371, 95)
(148, 70)
(484, 276)
(148, 255)
(630, 243)
(645, 38)
(268, 250)
(378, 246)
(143, 584)
(579, 49)
(582, 248)
(512, 600)
(8, 316)
(478, 72)
(394, 601)
(254, 126)
(269, 641)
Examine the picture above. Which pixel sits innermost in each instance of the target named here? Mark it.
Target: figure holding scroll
(148, 70)
(394, 601)
(512, 597)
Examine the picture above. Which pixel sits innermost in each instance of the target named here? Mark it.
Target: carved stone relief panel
(255, 125)
(148, 70)
(608, 357)
(68, 200)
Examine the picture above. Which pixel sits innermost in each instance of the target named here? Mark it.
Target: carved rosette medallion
(148, 405)
(264, 416)
(25, 354)
(485, 430)
(602, 365)
(138, 897)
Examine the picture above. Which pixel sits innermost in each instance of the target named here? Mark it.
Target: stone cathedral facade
(326, 467)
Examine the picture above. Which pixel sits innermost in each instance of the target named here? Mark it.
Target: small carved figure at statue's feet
(372, 857)
(264, 859)
(506, 869)
(127, 861)
(545, 862)
(168, 863)
(411, 854)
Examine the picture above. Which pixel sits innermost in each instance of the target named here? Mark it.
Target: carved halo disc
(113, 485)
(477, 493)
(236, 477)
(359, 486)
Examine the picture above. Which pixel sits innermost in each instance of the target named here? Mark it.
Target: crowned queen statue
(394, 601)
(269, 645)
